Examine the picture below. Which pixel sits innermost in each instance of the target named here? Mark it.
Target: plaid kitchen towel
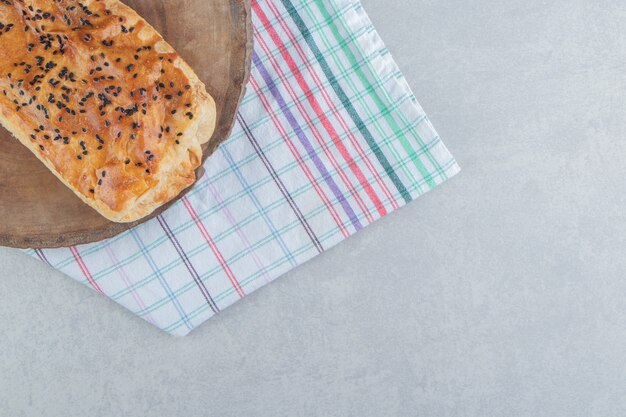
(328, 139)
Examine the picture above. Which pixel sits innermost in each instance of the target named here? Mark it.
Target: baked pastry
(103, 101)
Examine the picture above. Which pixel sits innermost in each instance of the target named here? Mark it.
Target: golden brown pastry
(103, 101)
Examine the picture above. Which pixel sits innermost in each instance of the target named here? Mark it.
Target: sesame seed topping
(78, 99)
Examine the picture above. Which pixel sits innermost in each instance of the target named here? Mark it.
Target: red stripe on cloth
(325, 145)
(85, 270)
(220, 258)
(294, 151)
(306, 89)
(334, 109)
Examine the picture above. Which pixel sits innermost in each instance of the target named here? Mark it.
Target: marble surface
(501, 293)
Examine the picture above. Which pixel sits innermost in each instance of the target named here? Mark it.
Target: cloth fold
(328, 139)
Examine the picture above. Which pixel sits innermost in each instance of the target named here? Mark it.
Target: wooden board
(215, 38)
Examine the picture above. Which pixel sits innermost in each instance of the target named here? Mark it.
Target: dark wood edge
(81, 237)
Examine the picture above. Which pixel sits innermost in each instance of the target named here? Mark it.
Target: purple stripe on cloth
(305, 142)
(192, 270)
(281, 186)
(42, 256)
(233, 222)
(136, 295)
(258, 205)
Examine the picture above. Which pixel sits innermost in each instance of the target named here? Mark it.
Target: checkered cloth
(328, 139)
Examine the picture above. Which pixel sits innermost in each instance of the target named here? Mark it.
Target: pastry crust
(103, 101)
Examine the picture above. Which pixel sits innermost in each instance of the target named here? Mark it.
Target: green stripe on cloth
(330, 20)
(345, 102)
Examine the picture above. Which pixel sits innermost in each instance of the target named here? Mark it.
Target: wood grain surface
(215, 38)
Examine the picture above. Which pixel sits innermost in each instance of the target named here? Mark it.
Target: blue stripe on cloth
(162, 280)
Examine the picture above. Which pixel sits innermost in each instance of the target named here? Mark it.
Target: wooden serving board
(215, 38)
